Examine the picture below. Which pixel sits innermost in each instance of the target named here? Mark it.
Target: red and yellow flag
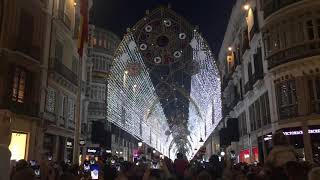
(84, 20)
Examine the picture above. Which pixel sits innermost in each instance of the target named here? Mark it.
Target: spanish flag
(84, 19)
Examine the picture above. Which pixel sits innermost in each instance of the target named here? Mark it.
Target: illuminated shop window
(18, 146)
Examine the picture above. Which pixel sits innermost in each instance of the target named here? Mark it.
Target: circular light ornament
(148, 28)
(182, 36)
(177, 54)
(167, 22)
(143, 47)
(157, 60)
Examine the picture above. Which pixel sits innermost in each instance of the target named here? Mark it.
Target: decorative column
(307, 143)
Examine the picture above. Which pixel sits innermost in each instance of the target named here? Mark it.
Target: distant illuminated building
(164, 85)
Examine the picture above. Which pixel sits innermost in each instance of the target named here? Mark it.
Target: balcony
(255, 29)
(25, 46)
(307, 49)
(57, 66)
(288, 111)
(248, 86)
(225, 111)
(235, 101)
(269, 6)
(225, 82)
(64, 19)
(27, 108)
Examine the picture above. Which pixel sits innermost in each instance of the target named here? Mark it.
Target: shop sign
(93, 150)
(69, 144)
(310, 131)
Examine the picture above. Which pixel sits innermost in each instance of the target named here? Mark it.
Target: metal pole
(77, 129)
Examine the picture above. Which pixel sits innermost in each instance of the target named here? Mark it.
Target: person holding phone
(94, 171)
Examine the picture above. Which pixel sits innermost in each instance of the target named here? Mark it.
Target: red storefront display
(245, 155)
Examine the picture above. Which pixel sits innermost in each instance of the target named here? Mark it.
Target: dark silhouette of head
(179, 156)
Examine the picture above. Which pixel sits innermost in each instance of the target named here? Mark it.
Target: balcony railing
(293, 53)
(26, 108)
(64, 71)
(288, 111)
(26, 47)
(270, 7)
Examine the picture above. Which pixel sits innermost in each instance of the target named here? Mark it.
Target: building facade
(40, 76)
(269, 61)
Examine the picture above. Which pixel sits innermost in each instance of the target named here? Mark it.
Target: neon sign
(293, 133)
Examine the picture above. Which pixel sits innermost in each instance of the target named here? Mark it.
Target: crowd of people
(282, 163)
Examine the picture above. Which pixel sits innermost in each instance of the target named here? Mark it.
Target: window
(74, 65)
(76, 27)
(71, 108)
(94, 39)
(51, 100)
(252, 118)
(286, 98)
(1, 13)
(242, 124)
(300, 32)
(285, 39)
(18, 86)
(249, 72)
(26, 30)
(266, 97)
(257, 114)
(314, 91)
(64, 106)
(59, 51)
(240, 86)
(318, 27)
(310, 31)
(105, 43)
(62, 4)
(263, 107)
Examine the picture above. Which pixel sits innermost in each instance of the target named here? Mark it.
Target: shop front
(248, 156)
(295, 136)
(18, 145)
(93, 153)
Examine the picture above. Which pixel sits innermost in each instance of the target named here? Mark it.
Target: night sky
(210, 15)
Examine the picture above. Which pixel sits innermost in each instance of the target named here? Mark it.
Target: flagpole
(83, 35)
(77, 129)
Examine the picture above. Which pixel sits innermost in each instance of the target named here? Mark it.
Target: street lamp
(139, 144)
(222, 153)
(246, 7)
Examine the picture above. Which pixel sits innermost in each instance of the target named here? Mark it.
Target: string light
(134, 105)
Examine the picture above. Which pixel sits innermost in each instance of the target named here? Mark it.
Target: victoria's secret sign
(293, 133)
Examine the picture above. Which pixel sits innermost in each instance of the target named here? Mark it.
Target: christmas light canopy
(164, 85)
